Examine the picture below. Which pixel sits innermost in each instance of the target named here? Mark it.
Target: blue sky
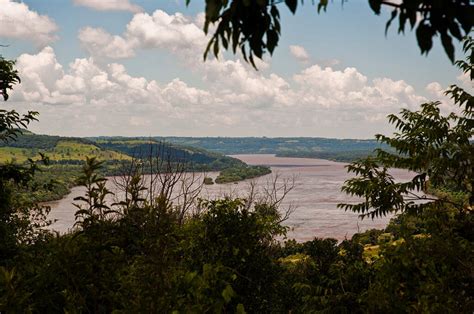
(130, 67)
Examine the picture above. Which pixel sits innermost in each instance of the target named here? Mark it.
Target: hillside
(310, 147)
(72, 150)
(67, 154)
(62, 151)
(197, 159)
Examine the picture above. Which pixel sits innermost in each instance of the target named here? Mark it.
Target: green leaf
(292, 4)
(454, 30)
(240, 309)
(394, 15)
(216, 49)
(213, 7)
(424, 36)
(228, 293)
(272, 40)
(322, 5)
(375, 5)
(448, 46)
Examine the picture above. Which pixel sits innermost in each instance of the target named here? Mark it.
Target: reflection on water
(316, 196)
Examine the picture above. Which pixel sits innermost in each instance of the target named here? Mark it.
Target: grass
(69, 150)
(15, 154)
(64, 150)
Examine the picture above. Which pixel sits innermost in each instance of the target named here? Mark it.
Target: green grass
(63, 151)
(69, 150)
(15, 154)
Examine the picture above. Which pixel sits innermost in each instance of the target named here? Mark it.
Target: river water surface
(315, 196)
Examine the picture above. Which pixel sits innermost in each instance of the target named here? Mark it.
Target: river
(315, 197)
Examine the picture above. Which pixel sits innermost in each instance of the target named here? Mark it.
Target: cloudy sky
(131, 67)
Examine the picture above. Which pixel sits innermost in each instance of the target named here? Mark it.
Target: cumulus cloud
(109, 5)
(99, 42)
(234, 100)
(299, 53)
(176, 33)
(18, 21)
(435, 89)
(465, 80)
(437, 92)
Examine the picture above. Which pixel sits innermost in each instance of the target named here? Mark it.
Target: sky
(135, 68)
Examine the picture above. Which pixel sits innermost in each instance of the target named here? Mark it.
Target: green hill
(197, 159)
(72, 150)
(67, 154)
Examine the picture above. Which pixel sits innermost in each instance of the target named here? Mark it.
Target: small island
(235, 174)
(208, 181)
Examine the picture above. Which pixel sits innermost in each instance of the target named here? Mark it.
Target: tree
(253, 26)
(437, 148)
(17, 221)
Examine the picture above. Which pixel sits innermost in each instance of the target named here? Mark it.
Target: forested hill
(73, 150)
(198, 158)
(312, 147)
(59, 150)
(67, 155)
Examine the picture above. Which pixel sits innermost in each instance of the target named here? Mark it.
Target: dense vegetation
(197, 159)
(240, 173)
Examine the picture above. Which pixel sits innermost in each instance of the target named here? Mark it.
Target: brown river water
(315, 196)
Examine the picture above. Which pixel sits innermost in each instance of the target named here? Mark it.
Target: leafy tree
(18, 221)
(437, 148)
(95, 207)
(427, 264)
(253, 26)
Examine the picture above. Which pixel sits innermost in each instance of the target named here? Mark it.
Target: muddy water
(315, 196)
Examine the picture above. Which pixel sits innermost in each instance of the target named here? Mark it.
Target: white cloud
(435, 89)
(437, 92)
(163, 30)
(109, 5)
(465, 80)
(98, 42)
(175, 33)
(236, 100)
(299, 53)
(18, 21)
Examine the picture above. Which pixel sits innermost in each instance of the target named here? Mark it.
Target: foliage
(8, 78)
(241, 173)
(254, 27)
(196, 159)
(94, 208)
(435, 147)
(208, 181)
(446, 19)
(425, 258)
(427, 266)
(20, 221)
